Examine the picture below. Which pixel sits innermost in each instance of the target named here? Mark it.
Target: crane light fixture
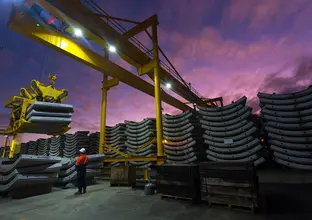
(112, 49)
(78, 32)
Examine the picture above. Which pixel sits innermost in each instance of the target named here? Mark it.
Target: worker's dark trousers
(81, 180)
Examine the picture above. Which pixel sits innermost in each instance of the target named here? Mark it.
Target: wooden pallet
(163, 196)
(231, 206)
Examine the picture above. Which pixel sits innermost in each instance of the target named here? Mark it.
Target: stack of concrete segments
(230, 133)
(32, 147)
(48, 118)
(138, 134)
(43, 146)
(74, 142)
(28, 175)
(183, 138)
(24, 148)
(57, 144)
(288, 123)
(116, 138)
(68, 172)
(94, 143)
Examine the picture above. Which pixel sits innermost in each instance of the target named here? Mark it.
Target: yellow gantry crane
(68, 26)
(38, 109)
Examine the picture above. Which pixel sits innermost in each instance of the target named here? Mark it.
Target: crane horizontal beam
(27, 26)
(133, 54)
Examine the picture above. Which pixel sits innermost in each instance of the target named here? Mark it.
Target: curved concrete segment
(47, 118)
(138, 134)
(288, 125)
(74, 142)
(28, 171)
(180, 118)
(57, 144)
(114, 136)
(230, 133)
(183, 135)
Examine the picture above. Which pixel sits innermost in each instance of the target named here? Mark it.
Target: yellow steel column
(103, 109)
(13, 147)
(103, 114)
(160, 147)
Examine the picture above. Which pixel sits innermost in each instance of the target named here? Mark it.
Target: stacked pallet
(28, 175)
(230, 184)
(43, 146)
(74, 142)
(138, 134)
(32, 147)
(57, 145)
(288, 123)
(230, 133)
(68, 172)
(178, 181)
(183, 135)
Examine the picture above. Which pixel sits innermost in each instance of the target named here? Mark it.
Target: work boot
(77, 193)
(84, 191)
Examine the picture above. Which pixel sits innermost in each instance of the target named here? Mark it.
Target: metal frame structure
(37, 91)
(29, 18)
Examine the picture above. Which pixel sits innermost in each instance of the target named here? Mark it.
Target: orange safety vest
(82, 160)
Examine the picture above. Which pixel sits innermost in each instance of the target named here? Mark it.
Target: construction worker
(81, 167)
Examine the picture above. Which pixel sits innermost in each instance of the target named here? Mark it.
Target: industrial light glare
(78, 32)
(64, 45)
(112, 49)
(168, 85)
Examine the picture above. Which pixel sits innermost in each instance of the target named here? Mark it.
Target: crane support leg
(154, 66)
(159, 137)
(106, 85)
(103, 115)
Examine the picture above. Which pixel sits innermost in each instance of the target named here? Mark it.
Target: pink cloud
(260, 14)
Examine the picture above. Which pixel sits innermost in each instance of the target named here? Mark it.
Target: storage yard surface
(114, 203)
(121, 203)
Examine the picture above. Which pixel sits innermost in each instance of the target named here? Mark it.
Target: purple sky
(226, 48)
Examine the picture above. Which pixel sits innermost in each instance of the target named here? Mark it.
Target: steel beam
(94, 26)
(141, 27)
(27, 26)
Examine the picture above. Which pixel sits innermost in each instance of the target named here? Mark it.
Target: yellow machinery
(68, 26)
(37, 109)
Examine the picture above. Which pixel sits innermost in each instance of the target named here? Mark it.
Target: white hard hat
(82, 150)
